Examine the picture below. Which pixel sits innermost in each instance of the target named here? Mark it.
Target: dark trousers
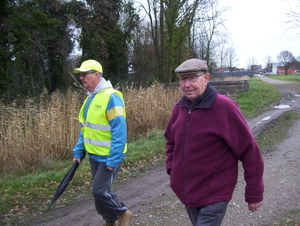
(106, 202)
(210, 215)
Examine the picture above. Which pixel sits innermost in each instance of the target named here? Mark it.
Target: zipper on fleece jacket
(186, 139)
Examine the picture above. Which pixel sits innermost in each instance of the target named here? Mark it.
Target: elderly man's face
(90, 80)
(193, 86)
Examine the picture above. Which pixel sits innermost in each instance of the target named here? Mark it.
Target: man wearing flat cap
(206, 137)
(103, 136)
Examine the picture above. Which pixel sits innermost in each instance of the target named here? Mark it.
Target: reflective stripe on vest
(97, 142)
(96, 129)
(95, 126)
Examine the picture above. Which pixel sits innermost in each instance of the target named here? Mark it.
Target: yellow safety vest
(95, 128)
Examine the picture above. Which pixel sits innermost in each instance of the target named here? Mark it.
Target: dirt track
(153, 203)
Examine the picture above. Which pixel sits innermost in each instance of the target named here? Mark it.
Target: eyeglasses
(191, 78)
(87, 73)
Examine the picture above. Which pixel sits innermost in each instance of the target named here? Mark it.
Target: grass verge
(289, 78)
(260, 97)
(277, 131)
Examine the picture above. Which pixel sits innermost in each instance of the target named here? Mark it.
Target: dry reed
(34, 133)
(149, 108)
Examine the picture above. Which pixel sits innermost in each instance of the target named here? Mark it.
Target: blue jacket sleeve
(117, 121)
(79, 150)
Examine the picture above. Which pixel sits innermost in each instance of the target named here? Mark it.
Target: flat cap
(191, 66)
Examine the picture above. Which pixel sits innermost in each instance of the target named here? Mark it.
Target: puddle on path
(282, 106)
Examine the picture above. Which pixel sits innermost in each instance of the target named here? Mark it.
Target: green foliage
(36, 46)
(105, 37)
(38, 36)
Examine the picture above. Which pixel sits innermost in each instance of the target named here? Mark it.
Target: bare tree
(143, 60)
(209, 31)
(287, 59)
(221, 54)
(252, 63)
(182, 29)
(170, 23)
(232, 58)
(268, 61)
(294, 16)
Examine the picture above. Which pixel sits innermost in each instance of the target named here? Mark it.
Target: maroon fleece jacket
(204, 145)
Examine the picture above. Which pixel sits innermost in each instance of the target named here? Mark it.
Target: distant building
(256, 68)
(279, 69)
(290, 70)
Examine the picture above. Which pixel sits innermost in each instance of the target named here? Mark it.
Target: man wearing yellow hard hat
(103, 136)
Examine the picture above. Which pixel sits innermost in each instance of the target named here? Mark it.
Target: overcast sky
(258, 28)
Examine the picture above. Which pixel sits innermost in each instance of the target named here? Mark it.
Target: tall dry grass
(36, 132)
(149, 108)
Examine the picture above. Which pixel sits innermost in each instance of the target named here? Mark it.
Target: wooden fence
(230, 86)
(223, 86)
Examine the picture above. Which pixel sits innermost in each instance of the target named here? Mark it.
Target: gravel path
(153, 203)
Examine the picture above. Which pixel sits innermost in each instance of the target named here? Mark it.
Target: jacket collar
(103, 84)
(204, 101)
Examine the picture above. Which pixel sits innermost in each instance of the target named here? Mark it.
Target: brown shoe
(124, 220)
(110, 224)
